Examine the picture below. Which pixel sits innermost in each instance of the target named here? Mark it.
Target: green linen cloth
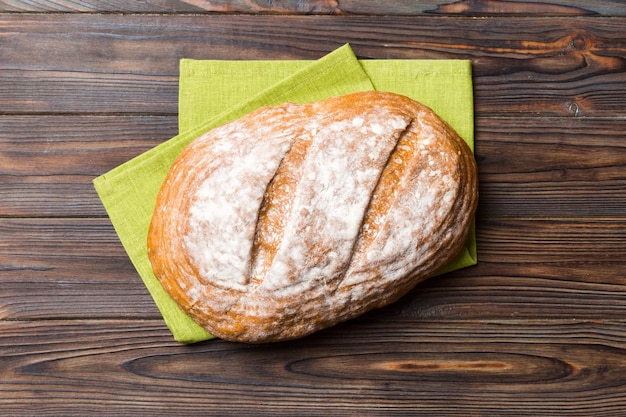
(214, 92)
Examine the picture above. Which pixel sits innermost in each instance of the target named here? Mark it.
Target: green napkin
(215, 92)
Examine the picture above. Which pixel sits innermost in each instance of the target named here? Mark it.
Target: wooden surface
(537, 328)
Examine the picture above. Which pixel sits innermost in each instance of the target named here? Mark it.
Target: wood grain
(47, 162)
(536, 328)
(552, 166)
(531, 268)
(362, 7)
(68, 268)
(483, 368)
(528, 166)
(62, 63)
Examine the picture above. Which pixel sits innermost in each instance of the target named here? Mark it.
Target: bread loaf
(296, 217)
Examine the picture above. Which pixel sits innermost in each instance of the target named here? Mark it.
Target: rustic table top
(537, 327)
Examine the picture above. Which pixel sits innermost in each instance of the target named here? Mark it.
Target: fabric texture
(213, 92)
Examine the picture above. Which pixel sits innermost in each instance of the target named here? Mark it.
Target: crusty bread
(296, 217)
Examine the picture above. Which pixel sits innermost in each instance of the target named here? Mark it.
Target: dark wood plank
(364, 7)
(66, 63)
(62, 91)
(68, 268)
(504, 368)
(77, 145)
(552, 166)
(110, 6)
(529, 8)
(531, 166)
(47, 163)
(530, 268)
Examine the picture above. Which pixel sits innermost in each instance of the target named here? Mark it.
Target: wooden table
(537, 328)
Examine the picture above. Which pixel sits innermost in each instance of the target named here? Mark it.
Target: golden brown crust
(296, 217)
